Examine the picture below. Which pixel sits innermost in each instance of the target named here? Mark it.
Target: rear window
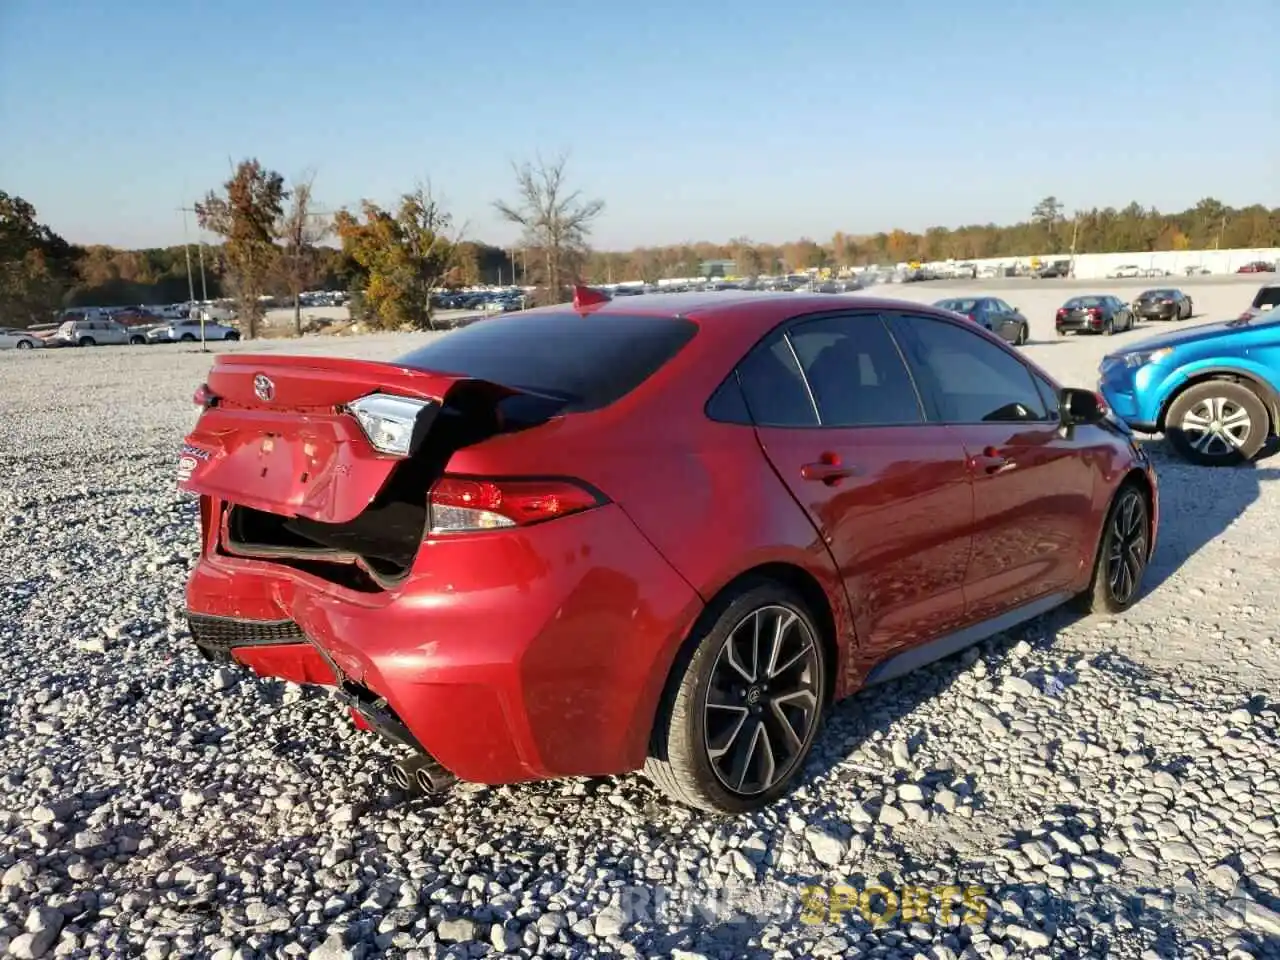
(959, 306)
(1084, 302)
(587, 362)
(1268, 298)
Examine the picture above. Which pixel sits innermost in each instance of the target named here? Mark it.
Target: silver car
(18, 340)
(95, 333)
(188, 331)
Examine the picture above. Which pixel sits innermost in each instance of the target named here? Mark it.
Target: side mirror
(1077, 406)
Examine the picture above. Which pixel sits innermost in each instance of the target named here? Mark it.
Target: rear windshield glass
(959, 306)
(1156, 295)
(1267, 297)
(588, 362)
(1084, 302)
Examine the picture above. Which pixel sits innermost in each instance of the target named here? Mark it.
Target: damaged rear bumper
(512, 656)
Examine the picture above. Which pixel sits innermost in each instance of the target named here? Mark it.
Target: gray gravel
(1113, 784)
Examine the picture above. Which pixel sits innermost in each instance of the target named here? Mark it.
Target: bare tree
(301, 229)
(556, 220)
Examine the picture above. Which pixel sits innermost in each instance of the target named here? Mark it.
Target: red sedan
(660, 533)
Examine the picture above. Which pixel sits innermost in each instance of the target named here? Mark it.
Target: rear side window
(586, 362)
(857, 376)
(774, 387)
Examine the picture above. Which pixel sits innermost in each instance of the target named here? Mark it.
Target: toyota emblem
(263, 388)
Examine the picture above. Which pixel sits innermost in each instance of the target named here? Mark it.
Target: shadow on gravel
(1197, 504)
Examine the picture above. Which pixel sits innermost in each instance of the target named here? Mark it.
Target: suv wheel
(744, 703)
(1123, 553)
(1217, 423)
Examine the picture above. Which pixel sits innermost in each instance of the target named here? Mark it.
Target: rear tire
(137, 341)
(232, 336)
(1191, 311)
(1023, 336)
(23, 345)
(734, 728)
(188, 338)
(1241, 418)
(1123, 553)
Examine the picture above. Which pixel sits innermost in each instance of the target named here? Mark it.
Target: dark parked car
(659, 533)
(1097, 313)
(992, 314)
(1047, 271)
(1163, 304)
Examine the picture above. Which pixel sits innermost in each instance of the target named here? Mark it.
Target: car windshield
(588, 362)
(1267, 298)
(1083, 302)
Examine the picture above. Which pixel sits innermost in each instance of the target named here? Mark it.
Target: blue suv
(1212, 390)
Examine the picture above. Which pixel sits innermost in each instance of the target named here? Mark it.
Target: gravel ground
(1109, 786)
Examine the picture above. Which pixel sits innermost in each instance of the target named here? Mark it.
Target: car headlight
(394, 425)
(1140, 358)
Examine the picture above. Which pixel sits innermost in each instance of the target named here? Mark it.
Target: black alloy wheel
(762, 700)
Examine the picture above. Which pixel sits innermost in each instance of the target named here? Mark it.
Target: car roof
(713, 308)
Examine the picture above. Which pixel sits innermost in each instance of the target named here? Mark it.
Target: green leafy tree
(246, 215)
(403, 258)
(36, 265)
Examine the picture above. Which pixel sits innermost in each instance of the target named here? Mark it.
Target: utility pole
(191, 284)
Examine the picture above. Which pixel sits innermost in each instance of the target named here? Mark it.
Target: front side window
(967, 378)
(856, 374)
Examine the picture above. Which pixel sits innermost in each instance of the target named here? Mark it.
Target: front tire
(188, 338)
(137, 341)
(1023, 336)
(87, 342)
(1123, 554)
(232, 336)
(1218, 423)
(744, 703)
(23, 345)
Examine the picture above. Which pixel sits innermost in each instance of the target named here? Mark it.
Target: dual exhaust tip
(421, 774)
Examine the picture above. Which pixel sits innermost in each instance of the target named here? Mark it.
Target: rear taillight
(1062, 311)
(204, 397)
(461, 504)
(1094, 312)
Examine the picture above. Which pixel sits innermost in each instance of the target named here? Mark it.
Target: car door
(842, 423)
(1032, 489)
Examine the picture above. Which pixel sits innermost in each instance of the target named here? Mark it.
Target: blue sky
(692, 121)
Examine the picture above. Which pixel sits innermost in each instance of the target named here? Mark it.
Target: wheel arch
(786, 574)
(1266, 392)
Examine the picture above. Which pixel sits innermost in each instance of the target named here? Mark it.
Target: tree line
(273, 240)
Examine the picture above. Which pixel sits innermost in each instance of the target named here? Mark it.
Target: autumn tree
(555, 219)
(403, 257)
(36, 265)
(247, 215)
(301, 230)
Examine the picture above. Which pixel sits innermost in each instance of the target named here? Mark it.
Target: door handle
(990, 460)
(827, 469)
